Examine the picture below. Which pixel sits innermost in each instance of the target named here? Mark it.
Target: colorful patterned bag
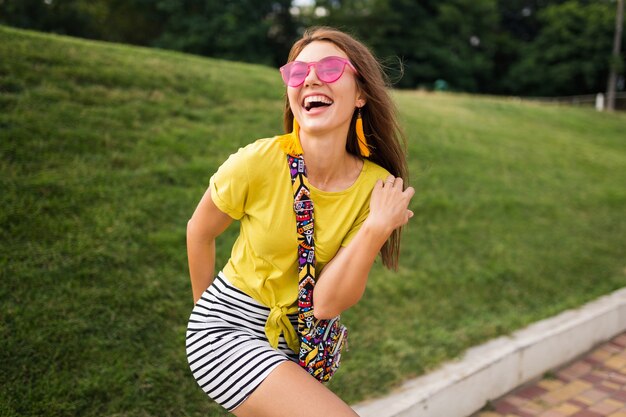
(321, 341)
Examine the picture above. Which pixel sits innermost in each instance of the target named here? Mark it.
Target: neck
(329, 166)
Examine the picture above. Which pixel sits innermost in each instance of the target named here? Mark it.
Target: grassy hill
(106, 150)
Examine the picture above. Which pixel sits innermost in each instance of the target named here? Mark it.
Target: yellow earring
(363, 147)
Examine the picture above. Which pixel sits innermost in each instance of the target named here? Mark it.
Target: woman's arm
(206, 223)
(342, 282)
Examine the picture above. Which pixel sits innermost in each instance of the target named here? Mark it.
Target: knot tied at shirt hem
(277, 323)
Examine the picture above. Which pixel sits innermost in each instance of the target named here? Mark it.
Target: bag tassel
(290, 143)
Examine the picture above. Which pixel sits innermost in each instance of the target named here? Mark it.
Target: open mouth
(312, 102)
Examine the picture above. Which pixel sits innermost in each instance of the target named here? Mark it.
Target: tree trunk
(617, 41)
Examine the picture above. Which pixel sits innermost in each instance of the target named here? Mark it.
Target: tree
(569, 54)
(518, 26)
(468, 39)
(67, 17)
(616, 62)
(449, 40)
(244, 30)
(247, 30)
(129, 21)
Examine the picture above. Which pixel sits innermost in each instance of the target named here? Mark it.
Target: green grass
(106, 149)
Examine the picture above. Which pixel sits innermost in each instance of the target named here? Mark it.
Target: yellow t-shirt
(254, 187)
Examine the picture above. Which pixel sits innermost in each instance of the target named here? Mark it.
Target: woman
(241, 340)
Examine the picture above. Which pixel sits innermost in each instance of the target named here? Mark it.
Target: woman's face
(335, 102)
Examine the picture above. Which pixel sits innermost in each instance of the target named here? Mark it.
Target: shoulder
(261, 148)
(258, 155)
(262, 160)
(372, 171)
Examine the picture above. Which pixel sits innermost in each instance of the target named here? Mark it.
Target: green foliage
(248, 30)
(468, 28)
(522, 47)
(571, 54)
(105, 150)
(434, 40)
(131, 21)
(526, 47)
(238, 30)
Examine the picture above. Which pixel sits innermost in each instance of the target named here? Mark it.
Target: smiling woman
(316, 206)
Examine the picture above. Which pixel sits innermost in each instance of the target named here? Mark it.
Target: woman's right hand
(389, 205)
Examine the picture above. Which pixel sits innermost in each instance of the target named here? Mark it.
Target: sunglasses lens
(330, 69)
(294, 73)
(327, 70)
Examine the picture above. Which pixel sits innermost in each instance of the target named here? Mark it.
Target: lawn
(106, 149)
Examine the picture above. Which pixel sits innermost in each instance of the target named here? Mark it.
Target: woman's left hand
(342, 282)
(389, 205)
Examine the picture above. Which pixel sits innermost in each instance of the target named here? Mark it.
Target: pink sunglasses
(328, 70)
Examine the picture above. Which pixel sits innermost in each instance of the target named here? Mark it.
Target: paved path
(592, 386)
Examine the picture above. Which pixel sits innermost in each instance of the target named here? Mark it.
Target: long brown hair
(380, 123)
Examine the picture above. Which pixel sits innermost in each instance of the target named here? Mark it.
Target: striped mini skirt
(227, 350)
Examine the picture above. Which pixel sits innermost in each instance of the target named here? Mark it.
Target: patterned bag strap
(303, 207)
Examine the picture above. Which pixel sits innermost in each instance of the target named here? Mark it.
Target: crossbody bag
(321, 341)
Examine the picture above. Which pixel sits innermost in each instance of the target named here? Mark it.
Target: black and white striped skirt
(227, 349)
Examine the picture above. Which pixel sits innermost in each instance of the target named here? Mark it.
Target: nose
(311, 76)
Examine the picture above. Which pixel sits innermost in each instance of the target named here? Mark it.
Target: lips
(317, 100)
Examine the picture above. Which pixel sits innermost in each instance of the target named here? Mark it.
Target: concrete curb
(488, 371)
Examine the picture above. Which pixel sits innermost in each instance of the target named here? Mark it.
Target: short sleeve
(355, 227)
(373, 173)
(230, 185)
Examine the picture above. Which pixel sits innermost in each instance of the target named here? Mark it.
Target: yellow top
(254, 187)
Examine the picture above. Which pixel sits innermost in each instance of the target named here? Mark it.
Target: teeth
(319, 99)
